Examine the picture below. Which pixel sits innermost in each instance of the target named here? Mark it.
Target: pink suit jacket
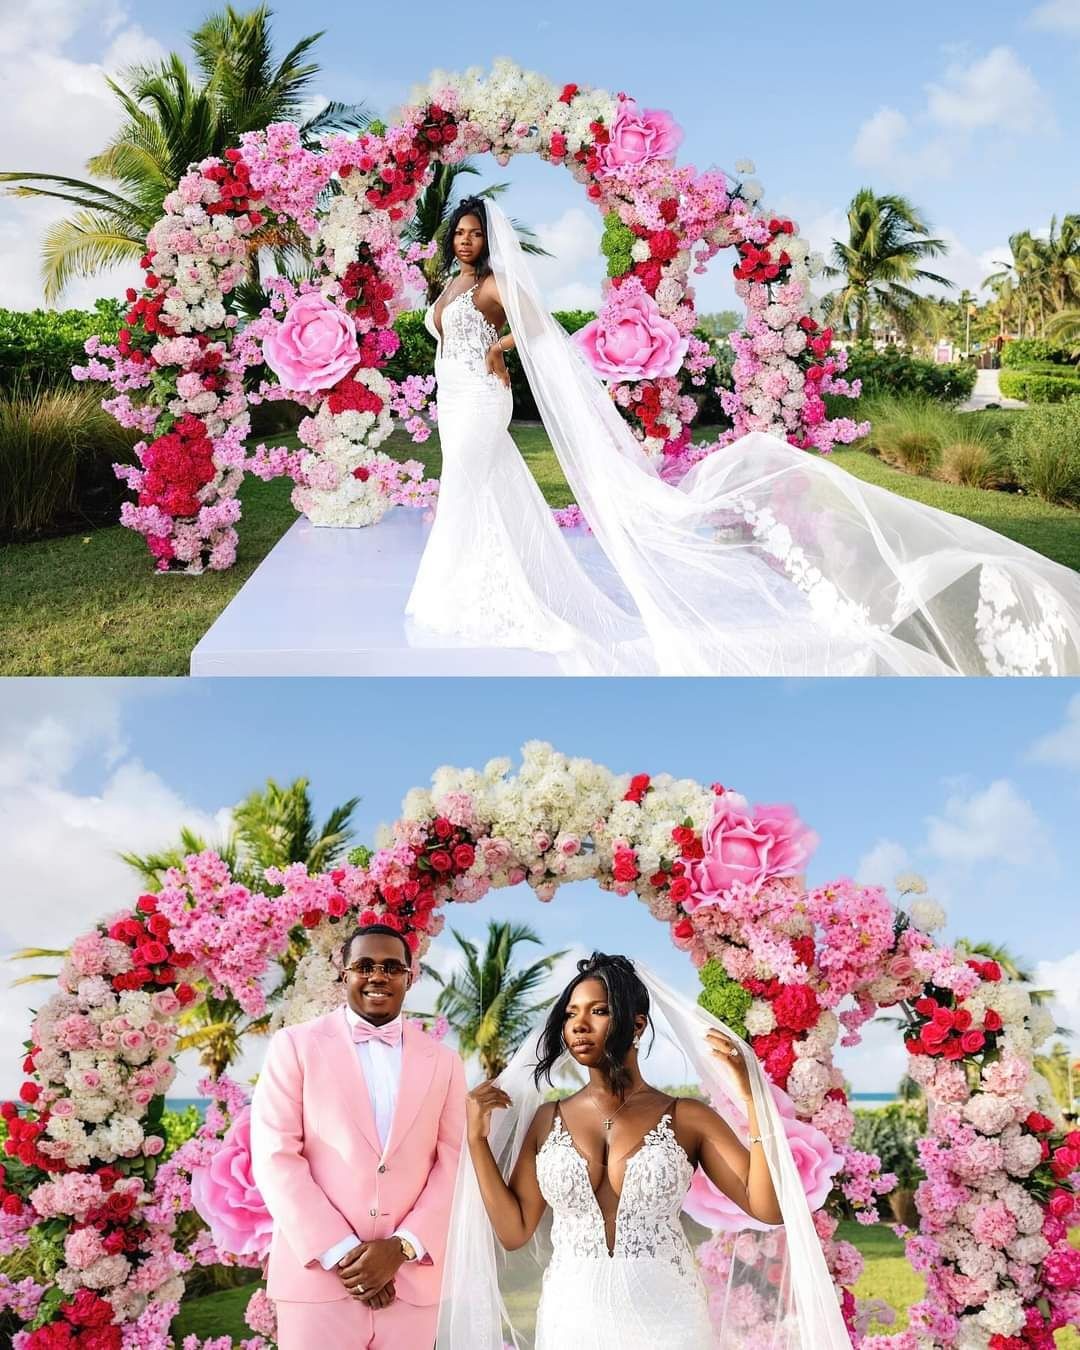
(322, 1171)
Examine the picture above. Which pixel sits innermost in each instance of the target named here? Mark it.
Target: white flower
(926, 915)
(910, 883)
(745, 166)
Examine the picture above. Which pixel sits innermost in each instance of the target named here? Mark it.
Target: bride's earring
(637, 1041)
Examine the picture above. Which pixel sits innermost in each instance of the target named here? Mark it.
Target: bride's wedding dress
(763, 560)
(645, 1293)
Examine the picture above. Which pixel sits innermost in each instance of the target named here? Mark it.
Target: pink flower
(635, 342)
(748, 847)
(815, 1158)
(638, 135)
(224, 1193)
(314, 346)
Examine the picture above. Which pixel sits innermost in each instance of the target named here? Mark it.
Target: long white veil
(776, 1294)
(766, 559)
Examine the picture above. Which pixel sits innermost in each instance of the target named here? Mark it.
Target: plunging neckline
(560, 1125)
(436, 318)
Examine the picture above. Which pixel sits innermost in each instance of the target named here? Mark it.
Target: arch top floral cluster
(793, 966)
(185, 371)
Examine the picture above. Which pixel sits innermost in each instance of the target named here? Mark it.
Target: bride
(613, 1163)
(763, 560)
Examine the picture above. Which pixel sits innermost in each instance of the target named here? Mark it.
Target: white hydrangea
(926, 915)
(760, 1018)
(1002, 1314)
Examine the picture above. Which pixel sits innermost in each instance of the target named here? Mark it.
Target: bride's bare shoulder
(542, 1122)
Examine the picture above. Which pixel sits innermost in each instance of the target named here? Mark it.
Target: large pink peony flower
(224, 1193)
(640, 345)
(816, 1161)
(638, 135)
(314, 346)
(748, 846)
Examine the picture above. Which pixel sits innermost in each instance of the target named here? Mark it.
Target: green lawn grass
(887, 1276)
(91, 604)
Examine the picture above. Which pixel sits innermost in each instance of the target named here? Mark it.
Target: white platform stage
(332, 602)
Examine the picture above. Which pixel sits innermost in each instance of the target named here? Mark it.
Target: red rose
(952, 1049)
(682, 834)
(972, 1042)
(569, 90)
(992, 1020)
(639, 784)
(659, 880)
(336, 906)
(961, 1019)
(914, 1046)
(925, 1006)
(1038, 1123)
(440, 860)
(151, 953)
(108, 1176)
(1064, 1162)
(185, 994)
(1072, 1139)
(442, 828)
(663, 245)
(12, 1204)
(683, 930)
(147, 904)
(991, 971)
(30, 1092)
(464, 857)
(679, 889)
(1062, 1204)
(159, 926)
(9, 1110)
(115, 1243)
(796, 1007)
(311, 917)
(934, 1035)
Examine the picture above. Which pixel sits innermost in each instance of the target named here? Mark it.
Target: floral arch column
(186, 370)
(797, 967)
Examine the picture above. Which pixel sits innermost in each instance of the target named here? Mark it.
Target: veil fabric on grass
(778, 1294)
(763, 560)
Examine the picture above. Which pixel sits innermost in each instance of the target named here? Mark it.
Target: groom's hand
(369, 1268)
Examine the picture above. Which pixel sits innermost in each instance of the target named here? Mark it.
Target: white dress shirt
(381, 1067)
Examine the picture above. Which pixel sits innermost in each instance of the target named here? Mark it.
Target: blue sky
(971, 108)
(974, 783)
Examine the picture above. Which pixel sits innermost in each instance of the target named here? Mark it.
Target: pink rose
(748, 847)
(224, 1194)
(314, 346)
(816, 1161)
(496, 852)
(639, 345)
(638, 135)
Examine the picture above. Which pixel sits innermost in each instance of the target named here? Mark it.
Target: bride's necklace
(606, 1120)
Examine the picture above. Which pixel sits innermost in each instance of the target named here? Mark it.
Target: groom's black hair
(371, 929)
(468, 206)
(627, 998)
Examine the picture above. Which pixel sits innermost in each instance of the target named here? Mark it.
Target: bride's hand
(496, 364)
(725, 1049)
(479, 1105)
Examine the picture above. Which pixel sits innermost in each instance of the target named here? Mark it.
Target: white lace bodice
(466, 334)
(655, 1182)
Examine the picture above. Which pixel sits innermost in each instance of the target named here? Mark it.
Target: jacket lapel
(417, 1070)
(346, 1070)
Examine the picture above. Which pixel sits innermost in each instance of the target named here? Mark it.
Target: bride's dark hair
(468, 206)
(627, 998)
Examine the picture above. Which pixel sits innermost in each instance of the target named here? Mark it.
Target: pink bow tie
(389, 1034)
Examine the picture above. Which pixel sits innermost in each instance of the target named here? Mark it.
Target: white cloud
(1057, 16)
(882, 864)
(995, 824)
(884, 141)
(996, 90)
(1061, 746)
(570, 278)
(61, 845)
(878, 1062)
(1063, 977)
(58, 112)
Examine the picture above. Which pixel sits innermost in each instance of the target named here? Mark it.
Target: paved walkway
(987, 391)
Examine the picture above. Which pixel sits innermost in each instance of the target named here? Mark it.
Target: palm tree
(433, 210)
(172, 119)
(888, 240)
(1060, 1072)
(487, 1003)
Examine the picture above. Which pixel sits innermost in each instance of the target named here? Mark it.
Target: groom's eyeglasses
(393, 970)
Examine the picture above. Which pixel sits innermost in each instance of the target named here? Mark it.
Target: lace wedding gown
(646, 1294)
(763, 560)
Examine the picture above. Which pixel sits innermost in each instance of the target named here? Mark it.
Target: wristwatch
(407, 1249)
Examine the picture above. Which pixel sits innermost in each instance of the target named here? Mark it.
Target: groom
(356, 1126)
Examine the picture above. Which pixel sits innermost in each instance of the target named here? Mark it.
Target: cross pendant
(607, 1124)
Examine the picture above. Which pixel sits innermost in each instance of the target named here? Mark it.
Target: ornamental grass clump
(1046, 452)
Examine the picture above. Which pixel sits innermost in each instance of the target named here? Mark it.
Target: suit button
(374, 1213)
(382, 1167)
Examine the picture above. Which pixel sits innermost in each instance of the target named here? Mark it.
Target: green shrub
(1026, 352)
(895, 372)
(893, 1132)
(38, 347)
(1038, 388)
(1046, 452)
(922, 436)
(57, 449)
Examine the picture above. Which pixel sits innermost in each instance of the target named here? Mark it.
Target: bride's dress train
(763, 560)
(645, 1293)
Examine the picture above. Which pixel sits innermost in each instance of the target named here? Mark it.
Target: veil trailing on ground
(774, 1290)
(766, 559)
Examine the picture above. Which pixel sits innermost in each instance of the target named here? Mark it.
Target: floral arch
(186, 371)
(796, 967)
